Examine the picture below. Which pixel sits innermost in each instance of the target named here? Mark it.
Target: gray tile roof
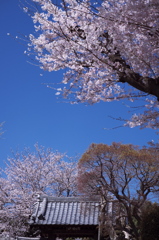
(65, 211)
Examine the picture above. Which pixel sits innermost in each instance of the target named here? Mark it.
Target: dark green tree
(150, 222)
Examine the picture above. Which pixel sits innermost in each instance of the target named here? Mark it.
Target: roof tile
(66, 211)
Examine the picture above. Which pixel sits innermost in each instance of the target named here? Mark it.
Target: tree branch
(144, 84)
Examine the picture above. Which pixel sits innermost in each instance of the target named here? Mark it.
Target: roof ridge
(70, 199)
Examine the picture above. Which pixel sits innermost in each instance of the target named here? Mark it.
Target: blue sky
(31, 111)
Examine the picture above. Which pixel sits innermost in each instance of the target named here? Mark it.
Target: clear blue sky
(31, 111)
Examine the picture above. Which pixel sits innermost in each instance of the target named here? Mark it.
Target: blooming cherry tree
(109, 49)
(27, 175)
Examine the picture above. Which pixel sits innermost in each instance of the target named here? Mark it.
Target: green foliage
(150, 222)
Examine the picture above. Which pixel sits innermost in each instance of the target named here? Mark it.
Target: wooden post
(99, 233)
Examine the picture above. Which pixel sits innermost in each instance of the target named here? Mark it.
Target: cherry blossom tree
(127, 176)
(29, 174)
(108, 49)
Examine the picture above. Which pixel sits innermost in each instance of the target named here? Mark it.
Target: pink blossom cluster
(96, 44)
(28, 175)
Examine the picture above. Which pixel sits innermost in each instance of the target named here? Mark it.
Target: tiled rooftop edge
(70, 199)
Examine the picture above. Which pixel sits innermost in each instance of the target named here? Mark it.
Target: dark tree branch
(145, 84)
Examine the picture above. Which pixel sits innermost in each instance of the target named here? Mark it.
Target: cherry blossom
(27, 175)
(109, 50)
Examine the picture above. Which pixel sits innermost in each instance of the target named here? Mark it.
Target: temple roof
(65, 211)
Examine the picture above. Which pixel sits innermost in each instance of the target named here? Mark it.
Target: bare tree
(126, 174)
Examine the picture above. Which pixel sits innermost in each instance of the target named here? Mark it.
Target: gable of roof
(65, 211)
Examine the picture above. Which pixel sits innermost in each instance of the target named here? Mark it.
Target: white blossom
(28, 174)
(99, 44)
